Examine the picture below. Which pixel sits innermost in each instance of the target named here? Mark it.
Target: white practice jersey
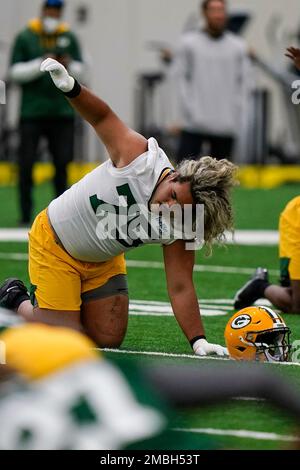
(84, 217)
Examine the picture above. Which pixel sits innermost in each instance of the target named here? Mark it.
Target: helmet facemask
(271, 345)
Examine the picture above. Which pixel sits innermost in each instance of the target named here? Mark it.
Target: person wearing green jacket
(44, 112)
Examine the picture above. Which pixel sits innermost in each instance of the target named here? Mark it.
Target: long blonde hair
(211, 183)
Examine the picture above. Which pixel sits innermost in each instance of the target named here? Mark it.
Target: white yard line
(254, 237)
(14, 235)
(158, 265)
(14, 256)
(241, 237)
(187, 356)
(203, 301)
(204, 312)
(165, 309)
(199, 268)
(265, 436)
(161, 354)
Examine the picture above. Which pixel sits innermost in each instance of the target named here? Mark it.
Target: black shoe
(252, 290)
(12, 293)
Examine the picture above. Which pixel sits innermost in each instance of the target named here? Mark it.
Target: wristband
(193, 341)
(76, 90)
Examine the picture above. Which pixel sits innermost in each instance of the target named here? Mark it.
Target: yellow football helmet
(257, 334)
(36, 350)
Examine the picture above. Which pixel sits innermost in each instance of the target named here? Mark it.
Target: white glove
(203, 348)
(59, 75)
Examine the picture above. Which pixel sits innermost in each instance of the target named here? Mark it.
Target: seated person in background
(287, 296)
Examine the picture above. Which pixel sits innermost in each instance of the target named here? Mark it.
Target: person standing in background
(211, 71)
(44, 112)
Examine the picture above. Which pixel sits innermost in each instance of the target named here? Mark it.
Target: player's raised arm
(123, 144)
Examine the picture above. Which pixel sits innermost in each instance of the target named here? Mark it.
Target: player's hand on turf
(203, 348)
(59, 74)
(294, 54)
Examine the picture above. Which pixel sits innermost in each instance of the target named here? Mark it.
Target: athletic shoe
(12, 293)
(252, 290)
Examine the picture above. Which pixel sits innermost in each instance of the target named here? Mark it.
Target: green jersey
(94, 405)
(40, 99)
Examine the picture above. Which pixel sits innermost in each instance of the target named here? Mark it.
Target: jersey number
(124, 191)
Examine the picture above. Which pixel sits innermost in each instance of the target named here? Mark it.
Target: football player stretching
(77, 270)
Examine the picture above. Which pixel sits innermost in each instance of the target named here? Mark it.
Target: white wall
(115, 39)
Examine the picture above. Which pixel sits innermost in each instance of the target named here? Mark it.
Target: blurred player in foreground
(73, 398)
(64, 398)
(78, 271)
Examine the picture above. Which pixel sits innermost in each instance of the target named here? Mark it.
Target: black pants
(60, 137)
(190, 146)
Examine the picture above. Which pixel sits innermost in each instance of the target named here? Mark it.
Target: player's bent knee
(105, 320)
